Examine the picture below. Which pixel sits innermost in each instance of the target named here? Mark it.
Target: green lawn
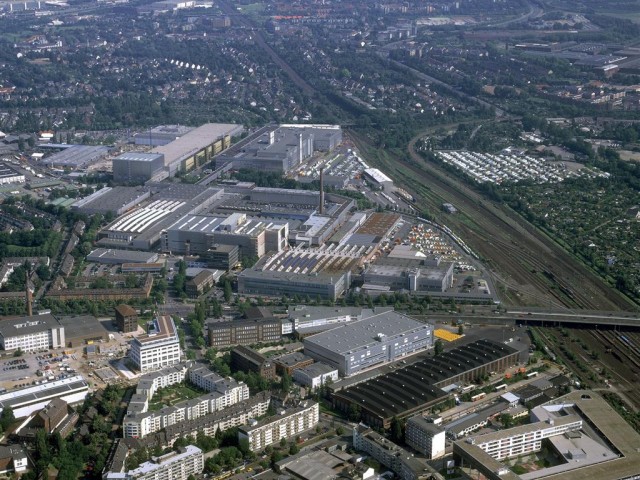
(172, 395)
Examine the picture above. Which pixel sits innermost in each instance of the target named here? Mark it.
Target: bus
(479, 396)
(532, 374)
(502, 386)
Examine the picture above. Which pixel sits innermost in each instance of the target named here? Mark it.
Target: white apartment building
(171, 466)
(149, 383)
(526, 438)
(138, 424)
(426, 437)
(158, 348)
(287, 424)
(37, 332)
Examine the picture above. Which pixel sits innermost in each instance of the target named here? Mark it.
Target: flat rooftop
(76, 156)
(82, 326)
(128, 256)
(307, 404)
(197, 223)
(356, 335)
(165, 329)
(195, 140)
(32, 394)
(112, 198)
(6, 171)
(18, 326)
(139, 157)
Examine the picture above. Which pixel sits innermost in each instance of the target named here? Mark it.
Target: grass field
(172, 395)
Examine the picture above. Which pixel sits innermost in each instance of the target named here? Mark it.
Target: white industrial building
(315, 375)
(170, 466)
(37, 332)
(378, 178)
(158, 348)
(28, 400)
(286, 424)
(9, 175)
(373, 341)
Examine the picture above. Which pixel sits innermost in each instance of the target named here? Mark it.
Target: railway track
(510, 243)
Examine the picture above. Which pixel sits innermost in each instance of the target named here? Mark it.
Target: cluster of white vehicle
(487, 167)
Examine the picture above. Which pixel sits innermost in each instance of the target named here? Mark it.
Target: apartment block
(425, 436)
(248, 360)
(171, 466)
(287, 424)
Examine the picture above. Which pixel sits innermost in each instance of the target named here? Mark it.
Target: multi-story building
(149, 383)
(29, 333)
(227, 392)
(425, 436)
(13, 458)
(230, 417)
(404, 464)
(248, 360)
(224, 257)
(199, 284)
(158, 348)
(326, 285)
(316, 375)
(308, 320)
(373, 341)
(244, 332)
(291, 362)
(52, 415)
(170, 466)
(287, 424)
(233, 392)
(126, 318)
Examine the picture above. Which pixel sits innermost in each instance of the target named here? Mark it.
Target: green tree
(438, 347)
(227, 291)
(6, 418)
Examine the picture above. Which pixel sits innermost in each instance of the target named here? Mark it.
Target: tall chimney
(29, 296)
(300, 157)
(321, 209)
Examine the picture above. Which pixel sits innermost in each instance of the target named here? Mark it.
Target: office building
(316, 375)
(170, 466)
(136, 167)
(326, 285)
(244, 332)
(202, 282)
(412, 278)
(425, 436)
(287, 424)
(223, 257)
(126, 318)
(31, 333)
(291, 362)
(158, 348)
(248, 360)
(373, 341)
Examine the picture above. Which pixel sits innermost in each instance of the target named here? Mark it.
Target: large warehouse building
(281, 148)
(325, 285)
(136, 167)
(111, 199)
(197, 147)
(142, 227)
(28, 400)
(372, 341)
(196, 234)
(412, 389)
